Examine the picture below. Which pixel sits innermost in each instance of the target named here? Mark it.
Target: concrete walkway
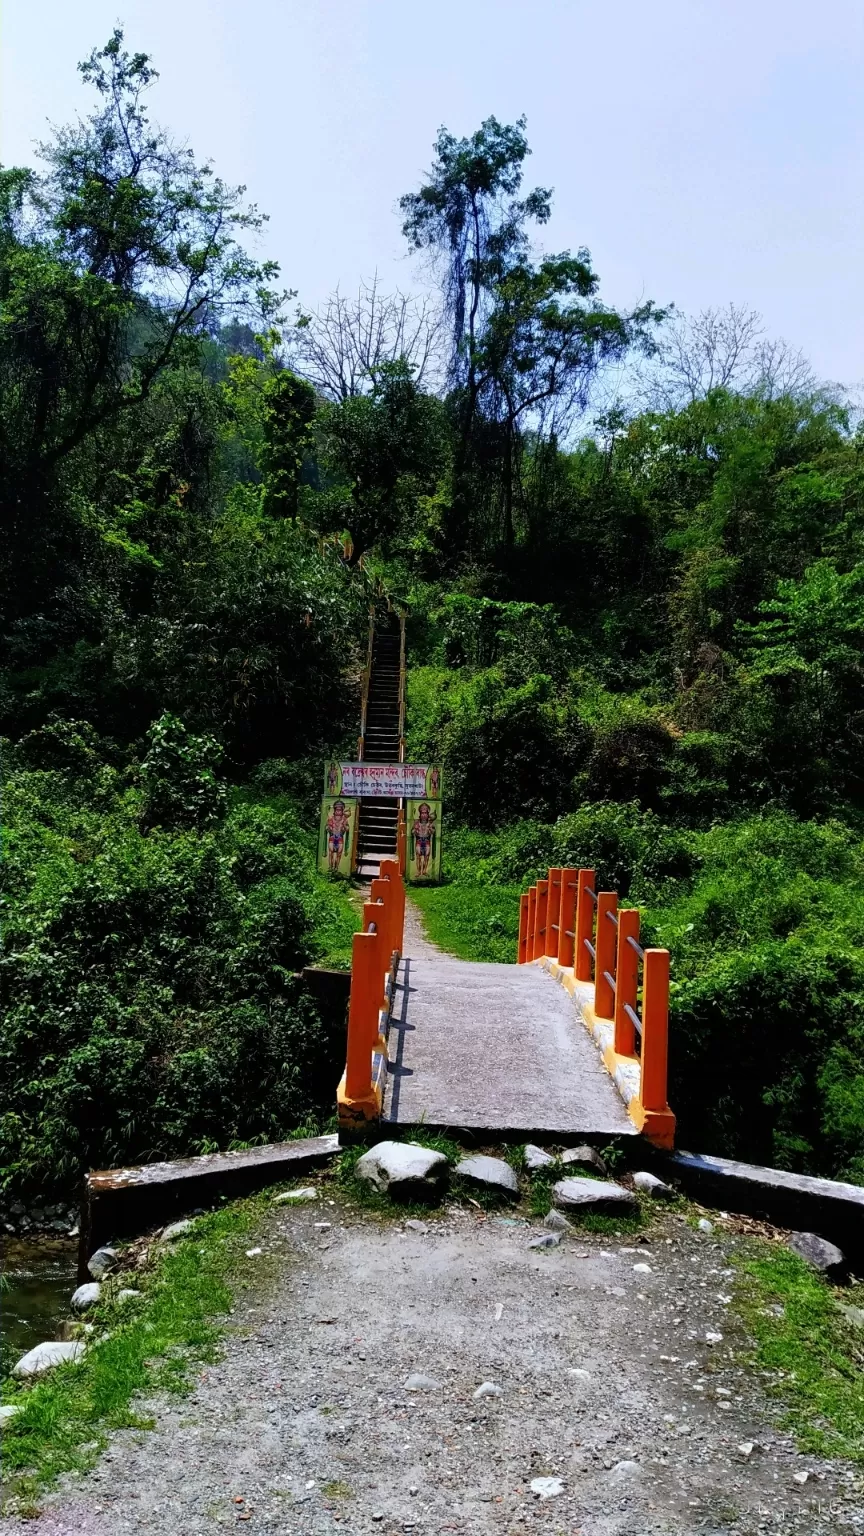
(492, 1047)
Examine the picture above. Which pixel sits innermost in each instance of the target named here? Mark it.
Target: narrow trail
(606, 1382)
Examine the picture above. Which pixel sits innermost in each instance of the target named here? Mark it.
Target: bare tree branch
(340, 346)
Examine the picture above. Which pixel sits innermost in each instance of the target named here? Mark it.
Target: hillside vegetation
(635, 641)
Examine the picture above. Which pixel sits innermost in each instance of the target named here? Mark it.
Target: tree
(723, 349)
(341, 346)
(111, 263)
(527, 337)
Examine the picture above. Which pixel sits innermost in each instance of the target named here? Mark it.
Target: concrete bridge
(535, 1048)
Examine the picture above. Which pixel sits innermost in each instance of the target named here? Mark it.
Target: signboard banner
(423, 824)
(337, 835)
(386, 781)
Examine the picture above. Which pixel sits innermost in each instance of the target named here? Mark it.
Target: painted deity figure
(423, 832)
(338, 826)
(434, 783)
(332, 779)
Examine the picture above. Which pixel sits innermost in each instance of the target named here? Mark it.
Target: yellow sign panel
(423, 825)
(337, 835)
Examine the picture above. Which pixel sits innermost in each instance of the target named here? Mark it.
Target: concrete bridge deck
(492, 1047)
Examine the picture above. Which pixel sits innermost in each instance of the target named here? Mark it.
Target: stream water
(39, 1276)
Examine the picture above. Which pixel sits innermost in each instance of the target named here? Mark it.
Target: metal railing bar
(572, 884)
(638, 947)
(569, 932)
(611, 980)
(612, 916)
(554, 927)
(589, 892)
(590, 948)
(634, 1018)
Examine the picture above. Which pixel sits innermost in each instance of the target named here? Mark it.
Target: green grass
(812, 1357)
(154, 1344)
(475, 922)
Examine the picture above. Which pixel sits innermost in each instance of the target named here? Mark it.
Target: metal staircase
(382, 738)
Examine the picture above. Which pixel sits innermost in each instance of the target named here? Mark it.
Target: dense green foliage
(635, 641)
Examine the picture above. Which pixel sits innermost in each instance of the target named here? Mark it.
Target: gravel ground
(606, 1382)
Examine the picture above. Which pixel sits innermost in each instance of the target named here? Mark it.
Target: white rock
(592, 1194)
(45, 1356)
(487, 1389)
(416, 1226)
(579, 1373)
(489, 1173)
(546, 1240)
(705, 1225)
(175, 1230)
(556, 1222)
(403, 1168)
(585, 1156)
(713, 1338)
(536, 1158)
(649, 1184)
(800, 1477)
(642, 1269)
(296, 1196)
(624, 1471)
(323, 1226)
(100, 1262)
(420, 1383)
(86, 1296)
(8, 1411)
(546, 1487)
(252, 1253)
(127, 1294)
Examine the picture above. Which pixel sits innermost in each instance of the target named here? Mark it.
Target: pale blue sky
(704, 150)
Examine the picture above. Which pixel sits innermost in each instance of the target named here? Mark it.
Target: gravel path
(606, 1382)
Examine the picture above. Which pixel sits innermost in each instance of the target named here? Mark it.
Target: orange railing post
(523, 929)
(553, 914)
(532, 922)
(566, 917)
(540, 919)
(605, 945)
(382, 890)
(626, 981)
(389, 870)
(362, 1018)
(583, 964)
(655, 1029)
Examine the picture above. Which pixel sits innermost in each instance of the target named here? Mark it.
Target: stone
(8, 1411)
(417, 1382)
(296, 1196)
(624, 1471)
(403, 1169)
(854, 1315)
(649, 1184)
(556, 1222)
(704, 1225)
(487, 1389)
(416, 1226)
(176, 1230)
(820, 1254)
(546, 1487)
(490, 1173)
(585, 1156)
(801, 1477)
(593, 1195)
(535, 1158)
(86, 1296)
(546, 1240)
(713, 1338)
(45, 1356)
(254, 1253)
(101, 1262)
(642, 1269)
(127, 1294)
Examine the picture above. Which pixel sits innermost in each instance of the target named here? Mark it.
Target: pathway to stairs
(492, 1047)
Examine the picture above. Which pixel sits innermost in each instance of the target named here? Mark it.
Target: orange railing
(593, 946)
(375, 956)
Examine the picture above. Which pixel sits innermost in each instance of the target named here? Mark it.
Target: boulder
(86, 1296)
(593, 1195)
(830, 1260)
(649, 1184)
(490, 1173)
(535, 1158)
(403, 1169)
(45, 1356)
(102, 1262)
(8, 1411)
(584, 1157)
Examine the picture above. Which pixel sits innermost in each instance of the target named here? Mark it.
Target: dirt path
(606, 1382)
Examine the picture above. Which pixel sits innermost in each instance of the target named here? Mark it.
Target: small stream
(39, 1276)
